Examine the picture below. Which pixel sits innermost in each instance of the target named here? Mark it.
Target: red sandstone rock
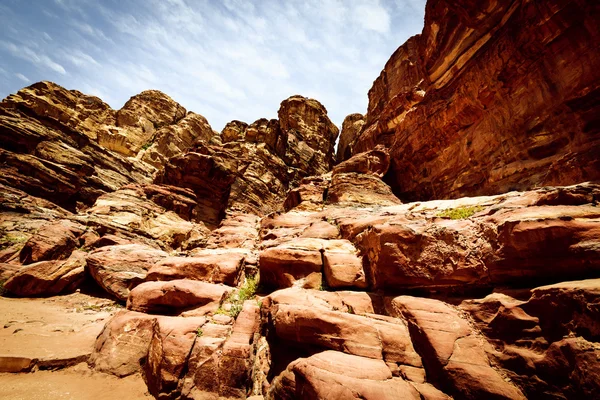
(123, 343)
(489, 98)
(118, 269)
(311, 323)
(168, 352)
(359, 189)
(453, 354)
(297, 263)
(217, 266)
(48, 278)
(174, 297)
(53, 241)
(375, 162)
(342, 266)
(332, 374)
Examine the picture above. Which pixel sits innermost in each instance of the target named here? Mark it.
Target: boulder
(298, 263)
(360, 189)
(123, 343)
(174, 297)
(351, 129)
(374, 162)
(48, 278)
(216, 266)
(118, 269)
(332, 374)
(453, 353)
(168, 352)
(53, 241)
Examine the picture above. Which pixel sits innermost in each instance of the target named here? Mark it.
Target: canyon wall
(490, 97)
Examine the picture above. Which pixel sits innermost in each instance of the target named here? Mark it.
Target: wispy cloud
(228, 59)
(23, 77)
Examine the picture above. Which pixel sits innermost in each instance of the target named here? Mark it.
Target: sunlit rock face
(490, 97)
(256, 264)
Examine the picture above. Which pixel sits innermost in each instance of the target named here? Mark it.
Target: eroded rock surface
(253, 267)
(487, 99)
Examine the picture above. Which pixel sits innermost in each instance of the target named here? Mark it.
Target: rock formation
(489, 98)
(247, 264)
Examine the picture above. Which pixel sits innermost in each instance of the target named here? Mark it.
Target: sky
(224, 59)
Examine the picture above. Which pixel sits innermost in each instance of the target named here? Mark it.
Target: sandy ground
(57, 329)
(52, 328)
(75, 383)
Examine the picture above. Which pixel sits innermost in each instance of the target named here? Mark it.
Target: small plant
(460, 212)
(11, 239)
(147, 145)
(199, 332)
(350, 309)
(237, 299)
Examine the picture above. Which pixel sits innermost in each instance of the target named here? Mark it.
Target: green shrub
(237, 299)
(199, 332)
(460, 212)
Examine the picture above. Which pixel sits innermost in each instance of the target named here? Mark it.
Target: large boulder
(118, 269)
(48, 278)
(335, 375)
(453, 353)
(174, 297)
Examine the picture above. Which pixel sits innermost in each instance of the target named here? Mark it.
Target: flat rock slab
(51, 331)
(75, 383)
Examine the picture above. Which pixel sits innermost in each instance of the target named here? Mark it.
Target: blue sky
(228, 59)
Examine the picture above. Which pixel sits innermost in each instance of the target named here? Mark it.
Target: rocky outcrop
(489, 98)
(71, 148)
(351, 129)
(552, 336)
(250, 168)
(253, 267)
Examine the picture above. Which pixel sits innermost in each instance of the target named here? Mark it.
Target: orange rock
(174, 297)
(451, 107)
(53, 241)
(118, 269)
(331, 374)
(217, 266)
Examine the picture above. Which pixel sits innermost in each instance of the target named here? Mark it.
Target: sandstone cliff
(247, 264)
(490, 97)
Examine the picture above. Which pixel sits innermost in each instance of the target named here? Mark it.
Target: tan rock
(351, 128)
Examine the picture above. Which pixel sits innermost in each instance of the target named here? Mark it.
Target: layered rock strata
(489, 98)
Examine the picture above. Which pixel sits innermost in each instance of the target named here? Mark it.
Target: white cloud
(229, 59)
(372, 17)
(28, 54)
(22, 77)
